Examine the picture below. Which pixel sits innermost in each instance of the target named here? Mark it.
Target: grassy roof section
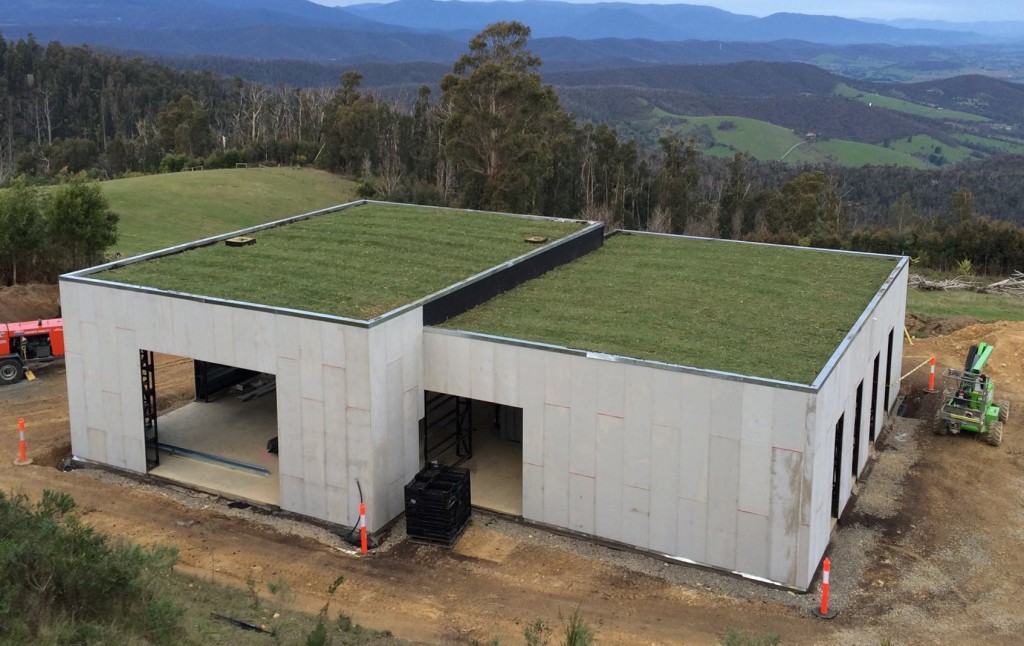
(359, 262)
(763, 311)
(159, 211)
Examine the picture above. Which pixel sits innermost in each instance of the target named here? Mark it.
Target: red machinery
(20, 343)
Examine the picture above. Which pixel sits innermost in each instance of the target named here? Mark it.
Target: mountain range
(430, 30)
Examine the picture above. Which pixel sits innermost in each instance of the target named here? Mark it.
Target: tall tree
(81, 225)
(21, 226)
(678, 183)
(497, 129)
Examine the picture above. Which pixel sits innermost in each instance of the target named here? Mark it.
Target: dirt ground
(27, 302)
(929, 555)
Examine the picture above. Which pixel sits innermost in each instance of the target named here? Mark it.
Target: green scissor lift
(966, 403)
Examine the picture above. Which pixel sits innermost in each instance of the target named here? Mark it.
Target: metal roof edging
(882, 292)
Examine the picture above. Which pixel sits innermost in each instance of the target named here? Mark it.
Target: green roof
(358, 262)
(758, 310)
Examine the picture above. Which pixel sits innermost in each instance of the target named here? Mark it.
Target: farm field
(908, 107)
(763, 140)
(926, 146)
(854, 153)
(158, 211)
(1009, 146)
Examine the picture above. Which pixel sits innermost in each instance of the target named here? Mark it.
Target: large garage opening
(483, 437)
(210, 426)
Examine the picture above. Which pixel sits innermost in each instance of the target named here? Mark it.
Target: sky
(950, 10)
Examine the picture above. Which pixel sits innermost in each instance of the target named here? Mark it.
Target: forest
(494, 137)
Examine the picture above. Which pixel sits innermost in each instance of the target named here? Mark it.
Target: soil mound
(927, 326)
(27, 302)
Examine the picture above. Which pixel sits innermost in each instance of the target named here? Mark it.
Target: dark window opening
(874, 400)
(837, 467)
(888, 374)
(856, 429)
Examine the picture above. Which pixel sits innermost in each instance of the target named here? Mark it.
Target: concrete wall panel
(435, 363)
(582, 503)
(784, 514)
(482, 371)
(506, 374)
(636, 516)
(726, 409)
(533, 491)
(751, 548)
(789, 420)
(556, 465)
(557, 378)
(755, 477)
(692, 530)
(289, 417)
(636, 451)
(610, 438)
(583, 421)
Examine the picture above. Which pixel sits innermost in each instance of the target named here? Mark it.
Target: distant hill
(587, 35)
(983, 95)
(180, 15)
(662, 22)
(748, 79)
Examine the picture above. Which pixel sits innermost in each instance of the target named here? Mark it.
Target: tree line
(494, 137)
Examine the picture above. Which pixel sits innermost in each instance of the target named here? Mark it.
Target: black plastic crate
(438, 505)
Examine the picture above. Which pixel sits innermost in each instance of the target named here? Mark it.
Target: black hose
(348, 538)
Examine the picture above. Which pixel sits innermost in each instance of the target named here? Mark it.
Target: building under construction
(709, 401)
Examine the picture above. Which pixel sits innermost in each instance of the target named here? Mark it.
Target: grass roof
(359, 262)
(764, 311)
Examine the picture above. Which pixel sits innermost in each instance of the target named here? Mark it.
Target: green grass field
(763, 140)
(767, 311)
(159, 211)
(853, 153)
(925, 145)
(360, 262)
(899, 105)
(1009, 146)
(984, 307)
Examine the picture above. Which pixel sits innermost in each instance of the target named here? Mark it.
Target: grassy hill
(158, 211)
(765, 141)
(899, 105)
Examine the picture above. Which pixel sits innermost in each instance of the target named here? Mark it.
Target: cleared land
(1010, 146)
(853, 153)
(899, 105)
(367, 259)
(758, 310)
(984, 307)
(159, 211)
(763, 140)
(924, 146)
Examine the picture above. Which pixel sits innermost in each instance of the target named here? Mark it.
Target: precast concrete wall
(396, 393)
(333, 418)
(698, 467)
(837, 396)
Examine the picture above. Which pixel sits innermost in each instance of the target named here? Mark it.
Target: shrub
(735, 638)
(57, 574)
(173, 163)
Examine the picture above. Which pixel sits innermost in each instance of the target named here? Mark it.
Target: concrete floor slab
(496, 468)
(227, 428)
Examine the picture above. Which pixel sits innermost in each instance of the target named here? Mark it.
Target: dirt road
(935, 538)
